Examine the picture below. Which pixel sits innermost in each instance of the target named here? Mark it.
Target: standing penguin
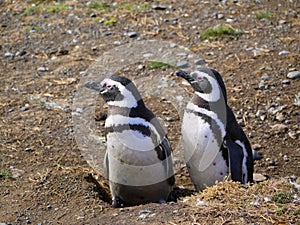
(138, 158)
(214, 143)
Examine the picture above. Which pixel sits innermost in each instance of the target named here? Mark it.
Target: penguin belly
(203, 157)
(136, 175)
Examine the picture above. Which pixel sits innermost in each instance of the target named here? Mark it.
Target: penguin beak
(96, 86)
(186, 75)
(92, 85)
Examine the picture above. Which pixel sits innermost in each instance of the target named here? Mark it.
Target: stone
(286, 81)
(42, 69)
(294, 75)
(292, 134)
(159, 7)
(284, 52)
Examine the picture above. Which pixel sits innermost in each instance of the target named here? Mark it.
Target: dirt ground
(47, 45)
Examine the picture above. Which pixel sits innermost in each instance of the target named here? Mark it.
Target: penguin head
(207, 83)
(197, 80)
(117, 91)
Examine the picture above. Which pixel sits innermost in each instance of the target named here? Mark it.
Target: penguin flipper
(236, 156)
(164, 152)
(106, 166)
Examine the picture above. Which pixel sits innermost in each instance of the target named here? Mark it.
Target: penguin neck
(139, 111)
(200, 102)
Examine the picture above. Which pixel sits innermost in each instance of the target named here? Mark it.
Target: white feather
(210, 114)
(215, 94)
(128, 101)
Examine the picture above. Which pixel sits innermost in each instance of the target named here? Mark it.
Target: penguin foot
(117, 202)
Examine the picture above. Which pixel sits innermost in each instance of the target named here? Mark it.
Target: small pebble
(294, 75)
(220, 16)
(293, 134)
(272, 162)
(280, 117)
(42, 69)
(182, 64)
(257, 177)
(260, 112)
(28, 149)
(21, 53)
(159, 7)
(265, 77)
(169, 119)
(284, 52)
(144, 211)
(107, 33)
(131, 34)
(285, 158)
(117, 42)
(286, 81)
(25, 107)
(8, 54)
(83, 73)
(230, 20)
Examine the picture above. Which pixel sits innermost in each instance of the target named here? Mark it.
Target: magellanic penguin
(215, 145)
(138, 158)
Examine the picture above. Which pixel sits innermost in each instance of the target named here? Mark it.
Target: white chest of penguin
(202, 151)
(132, 158)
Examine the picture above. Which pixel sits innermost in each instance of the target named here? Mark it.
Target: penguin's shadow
(101, 190)
(180, 192)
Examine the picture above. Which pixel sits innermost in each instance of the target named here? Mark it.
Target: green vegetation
(142, 7)
(5, 174)
(156, 65)
(282, 197)
(101, 6)
(48, 8)
(280, 210)
(263, 15)
(29, 28)
(220, 31)
(105, 7)
(111, 20)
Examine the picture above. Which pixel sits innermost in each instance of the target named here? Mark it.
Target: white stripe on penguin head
(214, 96)
(128, 101)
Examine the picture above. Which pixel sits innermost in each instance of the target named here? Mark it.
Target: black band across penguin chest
(150, 122)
